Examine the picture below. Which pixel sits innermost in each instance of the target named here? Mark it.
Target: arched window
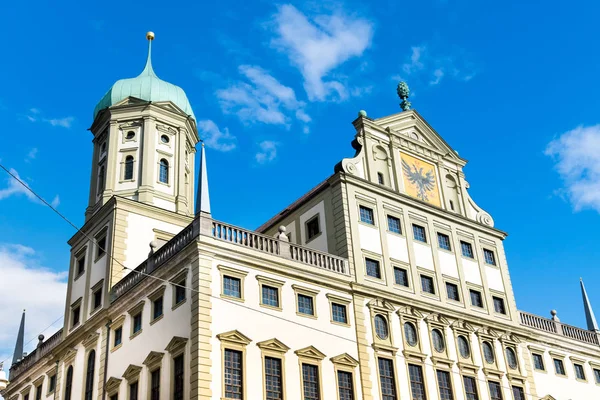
(488, 352)
(163, 175)
(438, 340)
(463, 347)
(511, 358)
(381, 327)
(69, 383)
(128, 168)
(410, 333)
(89, 376)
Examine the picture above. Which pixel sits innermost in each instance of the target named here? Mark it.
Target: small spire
(590, 318)
(404, 93)
(148, 68)
(202, 197)
(18, 354)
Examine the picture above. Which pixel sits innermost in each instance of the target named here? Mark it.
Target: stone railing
(42, 349)
(556, 327)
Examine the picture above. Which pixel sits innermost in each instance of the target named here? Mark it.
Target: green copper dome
(146, 86)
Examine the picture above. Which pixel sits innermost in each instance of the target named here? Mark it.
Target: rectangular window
(499, 305)
(380, 178)
(157, 308)
(489, 257)
(466, 249)
(178, 371)
(476, 299)
(133, 391)
(338, 312)
(452, 290)
(270, 296)
(387, 379)
(394, 224)
(495, 390)
(559, 367)
(273, 378)
(100, 246)
(232, 287)
(444, 241)
(52, 384)
(419, 233)
(97, 298)
(76, 315)
(401, 276)
(155, 385)
(118, 336)
(233, 374)
(312, 227)
(38, 393)
(597, 375)
(345, 385)
(310, 382)
(470, 388)
(26, 397)
(366, 215)
(180, 292)
(445, 385)
(114, 397)
(373, 268)
(579, 372)
(538, 362)
(137, 322)
(518, 393)
(427, 284)
(81, 264)
(417, 384)
(305, 304)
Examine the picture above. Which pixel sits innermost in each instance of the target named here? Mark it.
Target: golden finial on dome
(150, 35)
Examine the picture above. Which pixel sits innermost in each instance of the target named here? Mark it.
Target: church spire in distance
(202, 197)
(18, 354)
(590, 318)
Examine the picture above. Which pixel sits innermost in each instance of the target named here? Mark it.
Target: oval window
(381, 327)
(410, 333)
(164, 139)
(463, 347)
(511, 358)
(130, 135)
(488, 353)
(438, 340)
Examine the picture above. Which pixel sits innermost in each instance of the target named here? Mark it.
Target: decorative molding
(442, 361)
(310, 352)
(509, 338)
(468, 368)
(153, 358)
(91, 340)
(338, 299)
(409, 311)
(274, 344)
(132, 372)
(487, 332)
(414, 355)
(234, 336)
(69, 356)
(380, 304)
(437, 318)
(345, 359)
(493, 372)
(112, 385)
(176, 344)
(385, 348)
(462, 325)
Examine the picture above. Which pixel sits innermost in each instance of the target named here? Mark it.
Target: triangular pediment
(131, 372)
(548, 397)
(409, 311)
(381, 304)
(167, 105)
(437, 318)
(234, 336)
(69, 355)
(345, 359)
(460, 324)
(130, 101)
(485, 331)
(112, 384)
(310, 352)
(273, 345)
(153, 358)
(509, 337)
(91, 340)
(176, 344)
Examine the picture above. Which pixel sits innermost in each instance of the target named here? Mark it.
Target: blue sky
(512, 86)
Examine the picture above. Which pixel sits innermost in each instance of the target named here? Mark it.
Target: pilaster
(362, 345)
(146, 191)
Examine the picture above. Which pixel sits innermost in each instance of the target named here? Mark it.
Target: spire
(592, 325)
(202, 197)
(148, 68)
(18, 355)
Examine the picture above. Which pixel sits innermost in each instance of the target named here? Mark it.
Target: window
(538, 362)
(444, 241)
(427, 284)
(466, 249)
(373, 268)
(338, 313)
(38, 392)
(97, 298)
(511, 358)
(463, 347)
(118, 336)
(305, 304)
(387, 379)
(133, 391)
(101, 180)
(114, 397)
(419, 233)
(26, 397)
(366, 215)
(232, 287)
(137, 322)
(518, 393)
(488, 256)
(495, 390)
(180, 292)
(381, 327)
(76, 316)
(597, 375)
(417, 385)
(155, 385)
(233, 374)
(410, 334)
(157, 308)
(380, 178)
(273, 378)
(401, 276)
(559, 367)
(68, 383)
(163, 175)
(100, 246)
(270, 296)
(312, 227)
(394, 224)
(345, 385)
(310, 382)
(499, 305)
(452, 290)
(470, 388)
(52, 384)
(103, 148)
(488, 352)
(89, 376)
(438, 340)
(81, 264)
(178, 371)
(130, 135)
(476, 299)
(579, 372)
(165, 139)
(128, 174)
(445, 385)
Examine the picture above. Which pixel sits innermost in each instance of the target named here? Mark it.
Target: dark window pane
(137, 322)
(387, 379)
(444, 241)
(233, 374)
(437, 337)
(270, 296)
(180, 292)
(128, 168)
(476, 299)
(401, 276)
(273, 378)
(80, 265)
(559, 367)
(579, 372)
(445, 385)
(381, 327)
(488, 352)
(158, 308)
(366, 215)
(310, 380)
(133, 391)
(89, 376)
(419, 233)
(345, 385)
(452, 290)
(410, 333)
(155, 385)
(471, 388)
(164, 171)
(97, 298)
(427, 284)
(69, 383)
(232, 287)
(178, 378)
(118, 336)
(305, 305)
(312, 228)
(489, 257)
(338, 312)
(417, 385)
(394, 224)
(463, 347)
(466, 249)
(495, 390)
(518, 393)
(499, 305)
(373, 268)
(538, 362)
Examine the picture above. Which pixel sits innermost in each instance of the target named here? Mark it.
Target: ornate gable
(345, 359)
(132, 372)
(176, 344)
(234, 336)
(273, 345)
(112, 384)
(310, 352)
(153, 358)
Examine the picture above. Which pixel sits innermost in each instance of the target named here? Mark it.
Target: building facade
(386, 281)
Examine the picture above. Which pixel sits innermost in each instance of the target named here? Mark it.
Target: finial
(150, 35)
(148, 68)
(404, 92)
(362, 113)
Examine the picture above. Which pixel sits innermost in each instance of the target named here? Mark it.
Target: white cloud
(14, 188)
(320, 46)
(267, 153)
(214, 138)
(415, 63)
(66, 122)
(27, 285)
(577, 159)
(55, 201)
(438, 74)
(262, 98)
(31, 155)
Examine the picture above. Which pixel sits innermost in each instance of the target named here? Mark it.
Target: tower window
(101, 174)
(130, 135)
(163, 175)
(103, 148)
(165, 139)
(312, 227)
(128, 168)
(380, 178)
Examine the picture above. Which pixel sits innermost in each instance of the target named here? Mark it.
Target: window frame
(315, 218)
(494, 258)
(469, 245)
(579, 363)
(79, 255)
(423, 378)
(406, 271)
(308, 292)
(379, 268)
(433, 284)
(340, 301)
(273, 283)
(371, 209)
(535, 354)
(346, 364)
(393, 376)
(311, 356)
(76, 311)
(126, 165)
(449, 373)
(233, 341)
(475, 385)
(116, 324)
(158, 294)
(273, 348)
(137, 310)
(179, 280)
(480, 294)
(97, 288)
(499, 385)
(415, 239)
(503, 302)
(394, 217)
(444, 235)
(232, 273)
(457, 287)
(100, 251)
(561, 359)
(161, 166)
